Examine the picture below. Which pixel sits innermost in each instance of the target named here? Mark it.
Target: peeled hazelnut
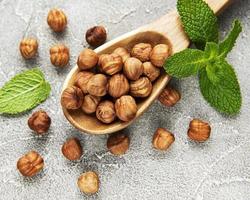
(87, 59)
(90, 103)
(118, 85)
(142, 51)
(30, 164)
(97, 85)
(105, 112)
(199, 130)
(126, 108)
(57, 20)
(39, 122)
(72, 98)
(162, 139)
(72, 149)
(123, 53)
(133, 68)
(82, 79)
(169, 96)
(141, 88)
(159, 54)
(151, 71)
(59, 55)
(96, 36)
(111, 63)
(118, 143)
(28, 47)
(88, 182)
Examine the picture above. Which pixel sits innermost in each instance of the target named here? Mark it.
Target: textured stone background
(218, 169)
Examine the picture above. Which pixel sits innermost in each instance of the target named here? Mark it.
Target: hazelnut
(199, 130)
(87, 59)
(88, 182)
(72, 149)
(105, 112)
(82, 79)
(96, 36)
(97, 85)
(57, 20)
(150, 71)
(118, 85)
(126, 108)
(28, 47)
(30, 164)
(39, 122)
(141, 88)
(118, 143)
(159, 54)
(169, 96)
(72, 98)
(111, 63)
(142, 51)
(123, 53)
(133, 68)
(162, 139)
(90, 103)
(59, 55)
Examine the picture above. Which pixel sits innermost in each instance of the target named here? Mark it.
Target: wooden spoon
(168, 30)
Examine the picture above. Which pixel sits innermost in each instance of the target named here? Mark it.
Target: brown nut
(105, 112)
(141, 88)
(118, 85)
(123, 53)
(72, 98)
(133, 68)
(162, 139)
(199, 130)
(30, 164)
(96, 36)
(87, 59)
(39, 122)
(169, 96)
(111, 63)
(72, 149)
(59, 55)
(118, 143)
(151, 71)
(97, 85)
(125, 108)
(88, 182)
(142, 51)
(159, 54)
(90, 103)
(28, 47)
(57, 20)
(82, 79)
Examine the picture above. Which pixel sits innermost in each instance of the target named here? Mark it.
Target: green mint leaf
(23, 92)
(211, 51)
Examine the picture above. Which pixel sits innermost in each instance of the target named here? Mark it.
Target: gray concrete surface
(217, 169)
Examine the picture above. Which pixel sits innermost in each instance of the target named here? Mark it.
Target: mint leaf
(23, 92)
(211, 50)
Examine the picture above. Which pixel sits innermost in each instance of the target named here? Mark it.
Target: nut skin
(72, 98)
(59, 55)
(159, 54)
(30, 164)
(169, 96)
(141, 88)
(199, 130)
(111, 63)
(72, 149)
(123, 53)
(142, 51)
(96, 36)
(39, 122)
(88, 182)
(151, 71)
(28, 48)
(118, 85)
(162, 139)
(97, 85)
(105, 112)
(126, 108)
(82, 79)
(133, 68)
(90, 103)
(57, 20)
(118, 143)
(87, 59)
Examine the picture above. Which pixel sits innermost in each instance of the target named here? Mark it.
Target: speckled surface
(217, 169)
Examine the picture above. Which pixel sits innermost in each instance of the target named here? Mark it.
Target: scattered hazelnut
(97, 85)
(88, 182)
(123, 53)
(39, 122)
(30, 164)
(199, 130)
(159, 54)
(169, 96)
(141, 88)
(118, 143)
(151, 71)
(87, 59)
(82, 79)
(105, 112)
(142, 51)
(118, 85)
(59, 55)
(28, 47)
(111, 63)
(72, 149)
(133, 68)
(72, 98)
(90, 103)
(162, 139)
(57, 20)
(96, 36)
(126, 108)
